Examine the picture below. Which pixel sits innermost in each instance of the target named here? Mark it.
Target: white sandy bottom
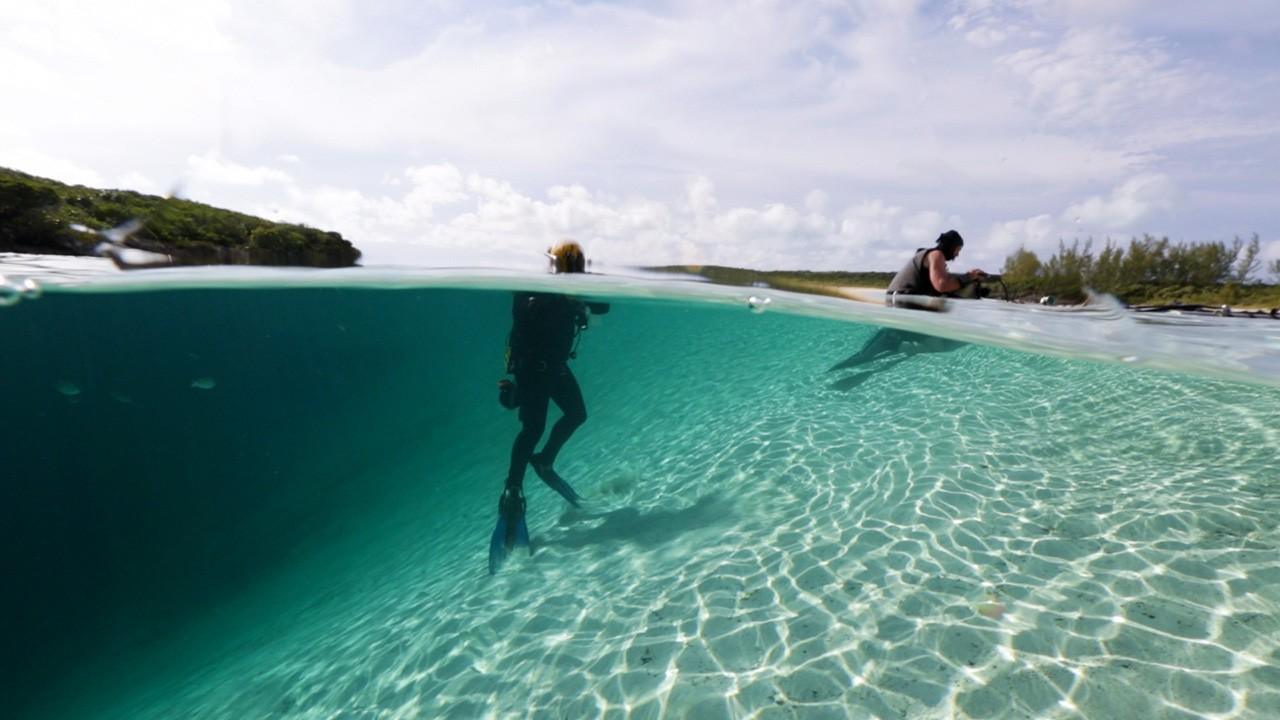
(832, 554)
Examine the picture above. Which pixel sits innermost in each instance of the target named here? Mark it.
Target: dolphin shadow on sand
(885, 349)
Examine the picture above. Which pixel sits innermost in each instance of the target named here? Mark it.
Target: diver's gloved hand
(511, 530)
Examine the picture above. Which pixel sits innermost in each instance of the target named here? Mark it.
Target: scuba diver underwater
(545, 331)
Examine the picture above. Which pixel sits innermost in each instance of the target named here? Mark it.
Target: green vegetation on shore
(36, 216)
(1149, 271)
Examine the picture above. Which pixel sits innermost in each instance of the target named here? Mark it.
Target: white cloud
(213, 169)
(1038, 234)
(923, 225)
(34, 162)
(702, 198)
(108, 70)
(871, 221)
(1269, 252)
(816, 201)
(1131, 202)
(1127, 211)
(476, 213)
(139, 182)
(441, 206)
(1096, 76)
(986, 37)
(435, 185)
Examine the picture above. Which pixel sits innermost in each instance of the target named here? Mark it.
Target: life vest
(913, 278)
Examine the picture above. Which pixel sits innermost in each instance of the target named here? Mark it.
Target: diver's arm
(520, 307)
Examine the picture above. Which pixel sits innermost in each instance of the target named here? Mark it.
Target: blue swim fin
(554, 481)
(511, 530)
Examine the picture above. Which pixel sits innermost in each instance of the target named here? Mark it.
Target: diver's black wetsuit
(543, 330)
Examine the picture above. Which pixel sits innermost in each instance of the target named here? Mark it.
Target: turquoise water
(243, 494)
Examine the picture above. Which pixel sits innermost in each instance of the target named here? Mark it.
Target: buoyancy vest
(913, 278)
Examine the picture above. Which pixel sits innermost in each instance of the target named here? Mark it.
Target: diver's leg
(511, 529)
(568, 396)
(534, 398)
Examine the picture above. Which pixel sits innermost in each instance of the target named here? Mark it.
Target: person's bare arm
(942, 280)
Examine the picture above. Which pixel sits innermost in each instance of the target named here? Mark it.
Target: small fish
(67, 388)
(204, 383)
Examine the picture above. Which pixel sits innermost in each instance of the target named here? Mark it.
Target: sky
(816, 135)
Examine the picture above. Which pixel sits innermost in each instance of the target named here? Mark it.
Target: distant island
(38, 215)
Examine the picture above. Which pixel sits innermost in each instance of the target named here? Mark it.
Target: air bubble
(31, 289)
(9, 294)
(12, 292)
(758, 304)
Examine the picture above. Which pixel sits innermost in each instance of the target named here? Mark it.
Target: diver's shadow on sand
(887, 348)
(649, 529)
(853, 380)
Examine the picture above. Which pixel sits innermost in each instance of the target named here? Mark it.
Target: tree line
(1149, 270)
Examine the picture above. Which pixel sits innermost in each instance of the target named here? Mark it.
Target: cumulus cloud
(434, 185)
(871, 221)
(1128, 210)
(440, 207)
(211, 168)
(816, 201)
(1131, 202)
(139, 182)
(1038, 234)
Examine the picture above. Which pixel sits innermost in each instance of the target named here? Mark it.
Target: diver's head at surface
(950, 243)
(567, 257)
